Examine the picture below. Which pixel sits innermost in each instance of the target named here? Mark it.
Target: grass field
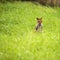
(18, 39)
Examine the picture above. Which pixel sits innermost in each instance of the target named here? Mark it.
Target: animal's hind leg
(37, 26)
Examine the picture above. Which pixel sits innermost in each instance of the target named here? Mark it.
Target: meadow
(18, 38)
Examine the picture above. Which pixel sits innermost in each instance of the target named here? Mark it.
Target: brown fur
(39, 23)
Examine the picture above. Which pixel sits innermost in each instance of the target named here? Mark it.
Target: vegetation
(43, 2)
(18, 39)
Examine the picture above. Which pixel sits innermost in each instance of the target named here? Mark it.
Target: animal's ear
(37, 18)
(41, 18)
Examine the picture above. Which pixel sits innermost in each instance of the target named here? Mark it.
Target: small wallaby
(39, 24)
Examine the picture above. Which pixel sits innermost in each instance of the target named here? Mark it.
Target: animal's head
(39, 20)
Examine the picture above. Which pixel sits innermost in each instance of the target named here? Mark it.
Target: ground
(18, 38)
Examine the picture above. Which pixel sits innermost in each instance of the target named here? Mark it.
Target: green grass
(19, 41)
